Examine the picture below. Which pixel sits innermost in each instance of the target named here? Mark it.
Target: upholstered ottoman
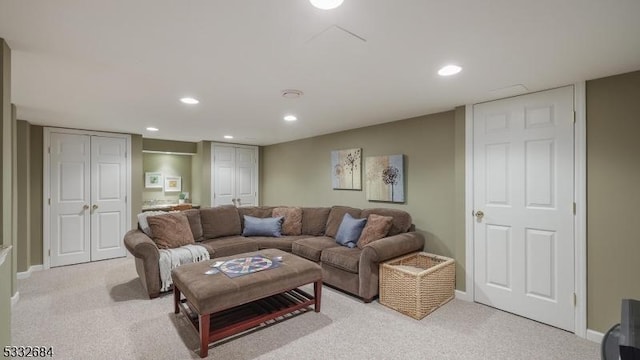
(219, 305)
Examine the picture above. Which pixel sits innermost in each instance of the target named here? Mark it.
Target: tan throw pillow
(292, 224)
(171, 230)
(377, 227)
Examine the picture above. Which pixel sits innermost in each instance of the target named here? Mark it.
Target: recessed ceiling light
(290, 118)
(189, 100)
(151, 128)
(326, 4)
(228, 137)
(449, 70)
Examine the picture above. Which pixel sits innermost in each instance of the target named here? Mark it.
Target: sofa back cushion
(193, 215)
(292, 224)
(170, 230)
(335, 218)
(220, 221)
(314, 220)
(401, 219)
(255, 211)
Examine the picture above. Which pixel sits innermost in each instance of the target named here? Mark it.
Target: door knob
(479, 214)
(95, 207)
(85, 207)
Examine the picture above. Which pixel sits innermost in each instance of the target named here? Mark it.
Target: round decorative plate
(246, 265)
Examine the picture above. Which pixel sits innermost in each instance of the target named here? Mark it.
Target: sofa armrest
(382, 250)
(140, 245)
(392, 247)
(147, 260)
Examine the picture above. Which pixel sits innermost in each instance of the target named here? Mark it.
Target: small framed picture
(153, 180)
(172, 183)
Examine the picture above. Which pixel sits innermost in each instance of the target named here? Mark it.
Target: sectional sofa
(353, 270)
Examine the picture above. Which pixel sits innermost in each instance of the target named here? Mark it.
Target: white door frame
(580, 220)
(46, 181)
(257, 168)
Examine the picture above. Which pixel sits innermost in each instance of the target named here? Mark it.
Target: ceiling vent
(291, 94)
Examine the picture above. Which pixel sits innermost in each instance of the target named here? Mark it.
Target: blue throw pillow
(254, 226)
(349, 230)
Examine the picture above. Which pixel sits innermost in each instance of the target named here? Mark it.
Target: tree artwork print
(346, 168)
(385, 178)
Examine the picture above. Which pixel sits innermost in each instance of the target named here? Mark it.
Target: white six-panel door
(224, 175)
(87, 191)
(70, 235)
(523, 200)
(108, 205)
(246, 175)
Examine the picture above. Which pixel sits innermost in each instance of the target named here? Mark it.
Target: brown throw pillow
(377, 227)
(171, 230)
(292, 224)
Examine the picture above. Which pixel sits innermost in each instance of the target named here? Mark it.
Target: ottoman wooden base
(270, 304)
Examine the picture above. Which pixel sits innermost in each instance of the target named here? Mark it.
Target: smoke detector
(291, 93)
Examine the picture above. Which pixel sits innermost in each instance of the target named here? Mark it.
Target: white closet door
(70, 198)
(235, 175)
(246, 174)
(523, 183)
(224, 175)
(108, 194)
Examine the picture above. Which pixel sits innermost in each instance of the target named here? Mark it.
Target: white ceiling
(122, 65)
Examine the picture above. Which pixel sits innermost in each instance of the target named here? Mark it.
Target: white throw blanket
(172, 258)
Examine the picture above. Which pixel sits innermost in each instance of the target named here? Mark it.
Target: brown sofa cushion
(220, 221)
(342, 257)
(193, 215)
(292, 224)
(335, 218)
(314, 220)
(255, 211)
(401, 219)
(171, 230)
(377, 227)
(311, 248)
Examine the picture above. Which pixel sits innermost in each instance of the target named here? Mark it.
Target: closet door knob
(85, 207)
(95, 207)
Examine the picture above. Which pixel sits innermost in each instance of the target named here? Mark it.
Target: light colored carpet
(99, 311)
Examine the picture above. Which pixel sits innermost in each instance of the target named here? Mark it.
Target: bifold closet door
(108, 197)
(88, 177)
(70, 199)
(235, 175)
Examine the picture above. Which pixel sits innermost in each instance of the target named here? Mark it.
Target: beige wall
(201, 174)
(7, 137)
(168, 165)
(169, 146)
(298, 173)
(137, 173)
(613, 196)
(24, 205)
(35, 194)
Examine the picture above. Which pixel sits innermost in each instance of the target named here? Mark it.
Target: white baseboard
(594, 336)
(15, 298)
(26, 274)
(462, 295)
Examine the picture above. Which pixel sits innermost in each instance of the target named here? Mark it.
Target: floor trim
(594, 336)
(26, 274)
(15, 298)
(462, 295)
